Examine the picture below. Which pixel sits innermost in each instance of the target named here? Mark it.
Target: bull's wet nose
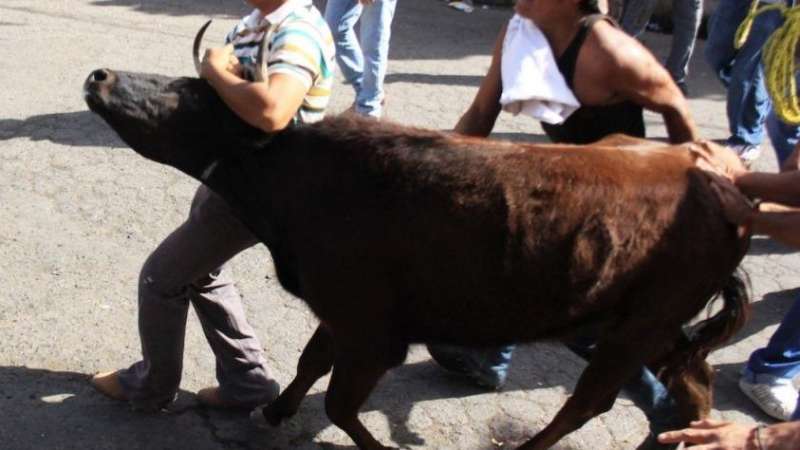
(101, 76)
(98, 84)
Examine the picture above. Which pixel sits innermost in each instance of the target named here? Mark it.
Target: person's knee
(156, 279)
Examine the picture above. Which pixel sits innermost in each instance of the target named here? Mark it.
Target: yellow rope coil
(779, 58)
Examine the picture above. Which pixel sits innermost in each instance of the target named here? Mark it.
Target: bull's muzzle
(98, 85)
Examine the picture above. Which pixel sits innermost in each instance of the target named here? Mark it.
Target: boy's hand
(220, 59)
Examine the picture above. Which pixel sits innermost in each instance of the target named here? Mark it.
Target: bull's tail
(684, 370)
(698, 341)
(713, 332)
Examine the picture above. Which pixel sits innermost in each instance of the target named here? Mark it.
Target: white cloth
(532, 83)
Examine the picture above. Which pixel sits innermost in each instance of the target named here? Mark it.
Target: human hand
(718, 159)
(714, 435)
(366, 2)
(220, 59)
(736, 207)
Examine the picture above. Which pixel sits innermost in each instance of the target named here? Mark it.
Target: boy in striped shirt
(188, 266)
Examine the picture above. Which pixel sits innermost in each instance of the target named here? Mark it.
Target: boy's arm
(268, 105)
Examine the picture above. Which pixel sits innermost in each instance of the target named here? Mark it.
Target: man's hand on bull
(737, 208)
(718, 159)
(220, 59)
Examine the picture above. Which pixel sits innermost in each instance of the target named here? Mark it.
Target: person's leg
(177, 271)
(487, 367)
(767, 378)
(686, 16)
(635, 16)
(719, 52)
(341, 16)
(748, 102)
(783, 136)
(376, 30)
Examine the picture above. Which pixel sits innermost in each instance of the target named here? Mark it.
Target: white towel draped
(532, 83)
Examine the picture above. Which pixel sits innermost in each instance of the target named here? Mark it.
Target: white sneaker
(776, 396)
(747, 152)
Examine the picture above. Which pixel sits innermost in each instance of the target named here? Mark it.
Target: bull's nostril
(100, 75)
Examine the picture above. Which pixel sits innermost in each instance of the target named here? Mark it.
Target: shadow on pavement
(78, 128)
(52, 409)
(426, 78)
(766, 312)
(181, 7)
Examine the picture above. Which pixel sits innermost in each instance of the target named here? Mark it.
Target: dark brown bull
(394, 235)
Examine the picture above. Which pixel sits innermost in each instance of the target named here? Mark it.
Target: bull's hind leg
(616, 360)
(356, 371)
(315, 362)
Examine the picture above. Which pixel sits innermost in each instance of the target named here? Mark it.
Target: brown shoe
(107, 383)
(212, 397)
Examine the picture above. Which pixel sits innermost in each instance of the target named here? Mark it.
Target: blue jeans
(783, 136)
(781, 356)
(686, 16)
(748, 103)
(363, 63)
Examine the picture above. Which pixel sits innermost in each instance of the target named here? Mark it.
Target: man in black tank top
(613, 77)
(611, 74)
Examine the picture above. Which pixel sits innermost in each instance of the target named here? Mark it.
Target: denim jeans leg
(783, 136)
(635, 16)
(719, 52)
(781, 356)
(341, 16)
(686, 16)
(748, 102)
(376, 30)
(487, 366)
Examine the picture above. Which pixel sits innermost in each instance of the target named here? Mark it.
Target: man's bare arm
(479, 118)
(633, 73)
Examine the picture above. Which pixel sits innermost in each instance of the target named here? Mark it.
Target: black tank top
(591, 123)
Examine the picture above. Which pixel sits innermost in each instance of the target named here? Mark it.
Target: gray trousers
(188, 267)
(686, 17)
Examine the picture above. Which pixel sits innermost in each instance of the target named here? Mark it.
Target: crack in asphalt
(213, 429)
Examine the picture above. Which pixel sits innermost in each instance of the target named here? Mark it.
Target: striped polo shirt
(301, 46)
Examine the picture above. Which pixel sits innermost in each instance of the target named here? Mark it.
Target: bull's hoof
(274, 413)
(266, 417)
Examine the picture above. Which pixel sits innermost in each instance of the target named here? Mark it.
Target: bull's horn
(198, 39)
(259, 74)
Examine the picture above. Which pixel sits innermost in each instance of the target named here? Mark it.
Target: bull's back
(460, 236)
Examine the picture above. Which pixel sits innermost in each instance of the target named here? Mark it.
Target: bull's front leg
(315, 362)
(356, 371)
